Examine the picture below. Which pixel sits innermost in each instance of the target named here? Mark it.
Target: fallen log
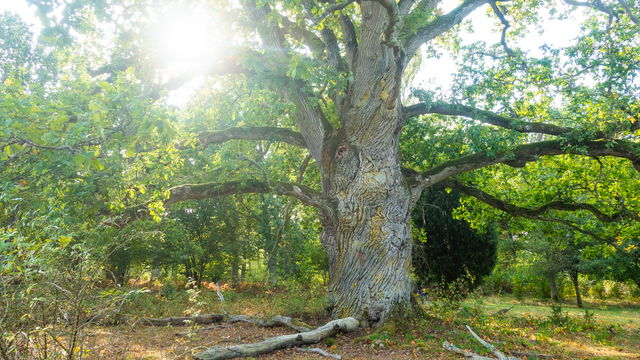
(277, 320)
(183, 320)
(280, 342)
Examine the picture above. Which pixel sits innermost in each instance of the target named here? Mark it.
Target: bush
(447, 249)
(51, 293)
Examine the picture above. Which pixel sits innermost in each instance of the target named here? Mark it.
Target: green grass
(626, 315)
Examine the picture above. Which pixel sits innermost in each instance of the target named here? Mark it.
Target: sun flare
(186, 39)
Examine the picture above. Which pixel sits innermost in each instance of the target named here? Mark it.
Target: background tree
(448, 249)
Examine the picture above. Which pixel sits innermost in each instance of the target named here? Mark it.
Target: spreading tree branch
(252, 133)
(534, 213)
(485, 117)
(440, 25)
(522, 154)
(211, 190)
(332, 9)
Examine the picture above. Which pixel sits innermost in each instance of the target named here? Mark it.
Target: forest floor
(609, 330)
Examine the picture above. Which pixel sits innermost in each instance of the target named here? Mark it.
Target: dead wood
(277, 320)
(280, 342)
(473, 356)
(183, 320)
(320, 352)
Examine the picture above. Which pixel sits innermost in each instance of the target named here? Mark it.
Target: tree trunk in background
(576, 286)
(243, 270)
(554, 288)
(272, 265)
(235, 267)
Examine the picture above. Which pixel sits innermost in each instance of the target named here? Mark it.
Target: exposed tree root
(280, 342)
(473, 356)
(277, 320)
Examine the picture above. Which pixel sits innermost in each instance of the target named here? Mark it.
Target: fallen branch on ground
(320, 352)
(277, 320)
(183, 320)
(473, 356)
(280, 342)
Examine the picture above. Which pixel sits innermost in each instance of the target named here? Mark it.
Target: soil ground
(609, 330)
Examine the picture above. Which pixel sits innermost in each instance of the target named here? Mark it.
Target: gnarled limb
(252, 133)
(535, 212)
(280, 342)
(211, 190)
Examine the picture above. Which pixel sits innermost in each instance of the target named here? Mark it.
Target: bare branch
(485, 117)
(506, 25)
(440, 25)
(534, 213)
(252, 133)
(211, 190)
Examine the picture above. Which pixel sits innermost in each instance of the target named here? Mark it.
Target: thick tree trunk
(369, 238)
(576, 286)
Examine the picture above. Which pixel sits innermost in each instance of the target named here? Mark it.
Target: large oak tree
(343, 65)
